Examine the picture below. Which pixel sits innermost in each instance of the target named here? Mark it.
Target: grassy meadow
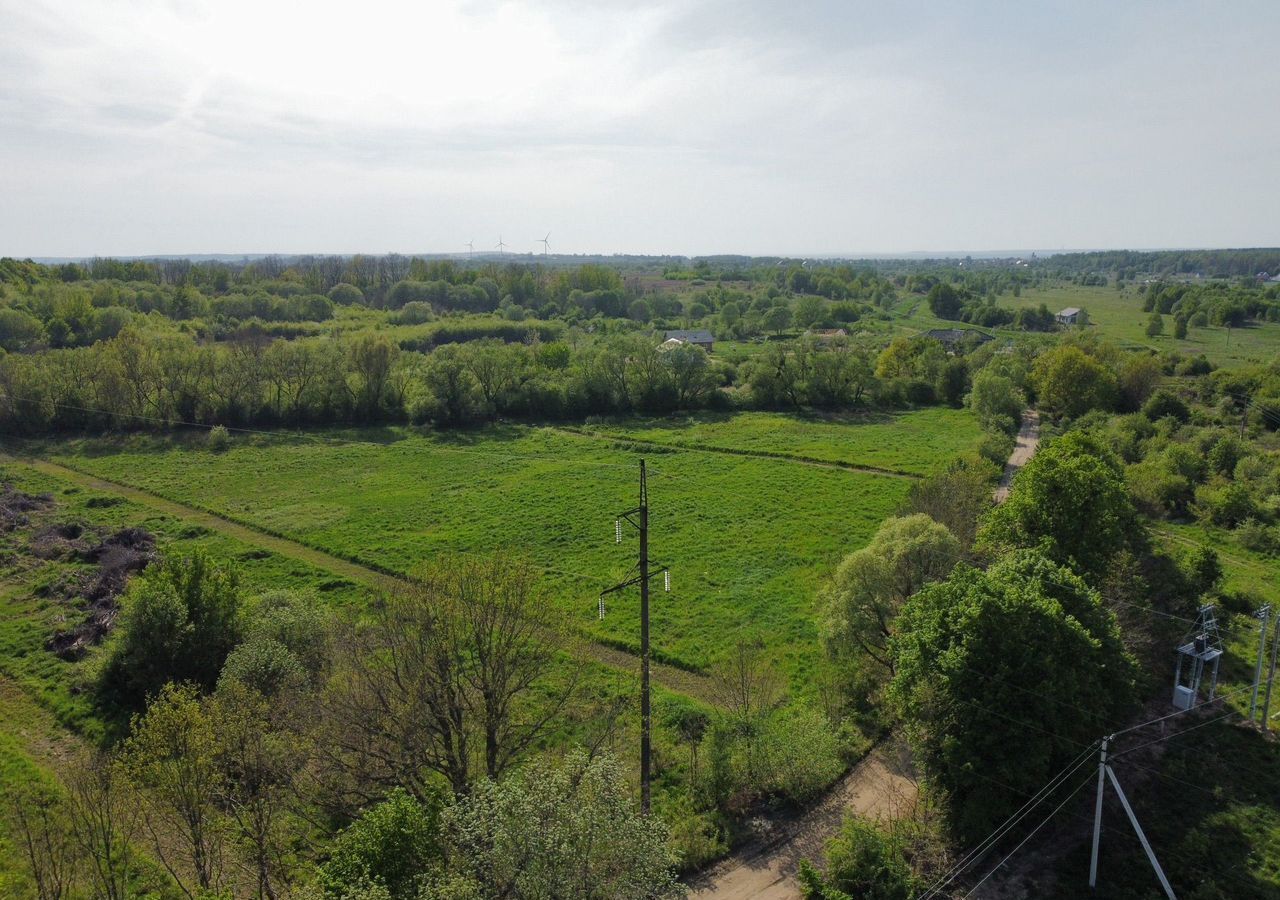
(748, 539)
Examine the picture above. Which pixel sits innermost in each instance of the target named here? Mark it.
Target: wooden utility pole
(639, 519)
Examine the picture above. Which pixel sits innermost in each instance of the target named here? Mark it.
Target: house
(700, 338)
(952, 338)
(1068, 316)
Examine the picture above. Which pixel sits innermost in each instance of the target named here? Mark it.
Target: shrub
(178, 622)
(219, 438)
(863, 861)
(1254, 535)
(1165, 403)
(394, 845)
(264, 665)
(1226, 506)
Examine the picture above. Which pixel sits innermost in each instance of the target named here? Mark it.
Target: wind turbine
(544, 243)
(500, 244)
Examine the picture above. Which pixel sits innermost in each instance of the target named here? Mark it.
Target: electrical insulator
(602, 607)
(666, 580)
(617, 531)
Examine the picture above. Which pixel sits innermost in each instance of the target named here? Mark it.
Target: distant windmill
(545, 245)
(501, 245)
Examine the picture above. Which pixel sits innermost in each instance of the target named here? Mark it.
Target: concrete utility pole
(639, 519)
(1097, 812)
(1264, 615)
(1271, 677)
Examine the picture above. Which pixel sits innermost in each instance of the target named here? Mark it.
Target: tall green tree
(1002, 677)
(1070, 501)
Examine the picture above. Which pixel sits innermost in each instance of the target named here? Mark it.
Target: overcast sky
(689, 127)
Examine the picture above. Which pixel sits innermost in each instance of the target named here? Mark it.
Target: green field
(910, 443)
(747, 539)
(1118, 316)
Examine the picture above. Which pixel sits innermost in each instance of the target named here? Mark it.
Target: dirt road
(882, 786)
(1025, 448)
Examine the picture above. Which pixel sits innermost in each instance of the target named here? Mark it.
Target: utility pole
(1097, 813)
(1264, 614)
(639, 519)
(1271, 677)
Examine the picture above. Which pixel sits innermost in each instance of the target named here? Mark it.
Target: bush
(219, 438)
(415, 312)
(179, 621)
(394, 845)
(1165, 403)
(1254, 535)
(264, 665)
(863, 861)
(1226, 506)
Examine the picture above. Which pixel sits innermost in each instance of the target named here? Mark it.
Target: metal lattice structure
(1203, 651)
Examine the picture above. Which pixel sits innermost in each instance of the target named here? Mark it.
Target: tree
(41, 826)
(179, 621)
(956, 498)
(372, 358)
(450, 677)
(1155, 324)
(945, 301)
(862, 600)
(777, 319)
(1139, 375)
(395, 845)
(172, 756)
(567, 829)
(1069, 382)
(1072, 480)
(105, 818)
(997, 401)
(259, 759)
(1180, 328)
(18, 330)
(809, 310)
(981, 649)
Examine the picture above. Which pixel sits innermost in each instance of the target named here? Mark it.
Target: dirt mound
(15, 506)
(117, 556)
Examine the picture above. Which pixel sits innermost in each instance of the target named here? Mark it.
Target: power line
(1129, 750)
(1032, 834)
(1034, 800)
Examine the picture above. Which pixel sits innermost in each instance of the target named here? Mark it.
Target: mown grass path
(672, 678)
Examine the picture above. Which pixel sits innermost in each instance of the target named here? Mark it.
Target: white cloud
(682, 126)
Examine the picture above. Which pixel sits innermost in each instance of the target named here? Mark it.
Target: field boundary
(680, 680)
(779, 455)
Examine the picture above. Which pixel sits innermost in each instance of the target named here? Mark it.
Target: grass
(908, 443)
(1118, 317)
(747, 539)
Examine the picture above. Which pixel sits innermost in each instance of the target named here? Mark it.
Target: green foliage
(1155, 324)
(997, 401)
(1072, 480)
(178, 622)
(395, 845)
(1069, 383)
(219, 439)
(861, 602)
(955, 498)
(560, 829)
(975, 655)
(18, 330)
(266, 666)
(864, 862)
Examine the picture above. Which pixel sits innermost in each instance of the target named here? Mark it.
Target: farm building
(951, 338)
(1068, 316)
(700, 338)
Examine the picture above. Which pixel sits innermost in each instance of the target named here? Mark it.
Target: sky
(691, 127)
